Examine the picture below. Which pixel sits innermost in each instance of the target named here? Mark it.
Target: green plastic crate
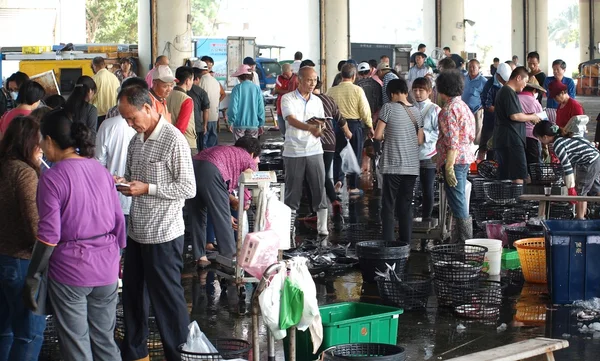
(510, 259)
(349, 322)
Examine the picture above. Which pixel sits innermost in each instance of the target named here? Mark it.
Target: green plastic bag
(292, 305)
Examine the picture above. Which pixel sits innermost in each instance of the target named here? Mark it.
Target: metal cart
(230, 269)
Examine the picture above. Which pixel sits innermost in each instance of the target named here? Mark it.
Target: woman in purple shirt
(80, 234)
(217, 170)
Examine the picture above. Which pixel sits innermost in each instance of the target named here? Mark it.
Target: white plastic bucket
(493, 257)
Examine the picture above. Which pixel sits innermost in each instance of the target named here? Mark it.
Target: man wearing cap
(281, 89)
(419, 70)
(371, 88)
(107, 86)
(246, 112)
(212, 88)
(509, 130)
(162, 85)
(530, 105)
(567, 106)
(303, 151)
(160, 60)
(201, 106)
(385, 73)
(354, 106)
(497, 81)
(181, 106)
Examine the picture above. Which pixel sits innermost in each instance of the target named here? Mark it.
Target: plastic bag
(246, 228)
(311, 316)
(259, 251)
(292, 305)
(197, 341)
(270, 303)
(278, 219)
(349, 161)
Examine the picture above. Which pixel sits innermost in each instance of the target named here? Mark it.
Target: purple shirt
(530, 105)
(231, 162)
(80, 213)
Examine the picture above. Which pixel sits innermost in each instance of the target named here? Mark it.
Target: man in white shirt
(297, 62)
(212, 87)
(112, 141)
(303, 152)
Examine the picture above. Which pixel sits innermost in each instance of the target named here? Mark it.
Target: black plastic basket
(516, 233)
(445, 291)
(229, 348)
(488, 169)
(358, 232)
(472, 254)
(374, 255)
(50, 350)
(477, 190)
(562, 210)
(520, 212)
(545, 173)
(502, 192)
(410, 293)
(456, 271)
(364, 352)
(477, 311)
(486, 292)
(487, 211)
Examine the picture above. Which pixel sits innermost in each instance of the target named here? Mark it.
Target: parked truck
(229, 53)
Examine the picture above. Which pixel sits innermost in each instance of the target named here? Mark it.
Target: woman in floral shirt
(456, 134)
(125, 72)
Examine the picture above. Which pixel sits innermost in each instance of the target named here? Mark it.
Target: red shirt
(568, 111)
(9, 116)
(282, 88)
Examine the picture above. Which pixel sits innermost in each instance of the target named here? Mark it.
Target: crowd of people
(119, 163)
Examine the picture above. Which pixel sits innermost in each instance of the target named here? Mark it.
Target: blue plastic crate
(573, 259)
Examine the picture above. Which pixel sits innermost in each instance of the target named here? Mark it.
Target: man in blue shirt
(558, 69)
(474, 83)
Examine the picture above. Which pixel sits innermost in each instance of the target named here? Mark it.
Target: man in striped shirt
(354, 106)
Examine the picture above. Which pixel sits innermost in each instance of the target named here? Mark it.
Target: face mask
(14, 95)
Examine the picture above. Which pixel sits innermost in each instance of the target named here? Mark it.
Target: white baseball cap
(364, 66)
(164, 74)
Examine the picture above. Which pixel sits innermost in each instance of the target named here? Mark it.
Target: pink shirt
(530, 105)
(149, 77)
(9, 116)
(456, 131)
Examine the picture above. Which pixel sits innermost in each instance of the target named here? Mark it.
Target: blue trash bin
(573, 259)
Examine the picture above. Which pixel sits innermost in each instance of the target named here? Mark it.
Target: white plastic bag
(246, 228)
(311, 317)
(278, 219)
(197, 341)
(270, 301)
(349, 161)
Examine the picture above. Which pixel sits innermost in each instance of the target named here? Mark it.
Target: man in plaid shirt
(159, 177)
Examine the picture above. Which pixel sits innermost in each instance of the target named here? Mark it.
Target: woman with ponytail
(78, 105)
(81, 231)
(573, 152)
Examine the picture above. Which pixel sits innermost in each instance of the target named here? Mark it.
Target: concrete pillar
(453, 27)
(584, 30)
(518, 30)
(174, 30)
(539, 9)
(429, 25)
(336, 36)
(144, 37)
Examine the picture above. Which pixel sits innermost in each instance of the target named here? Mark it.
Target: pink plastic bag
(259, 252)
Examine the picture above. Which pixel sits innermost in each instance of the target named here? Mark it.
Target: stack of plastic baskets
(480, 303)
(455, 266)
(532, 255)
